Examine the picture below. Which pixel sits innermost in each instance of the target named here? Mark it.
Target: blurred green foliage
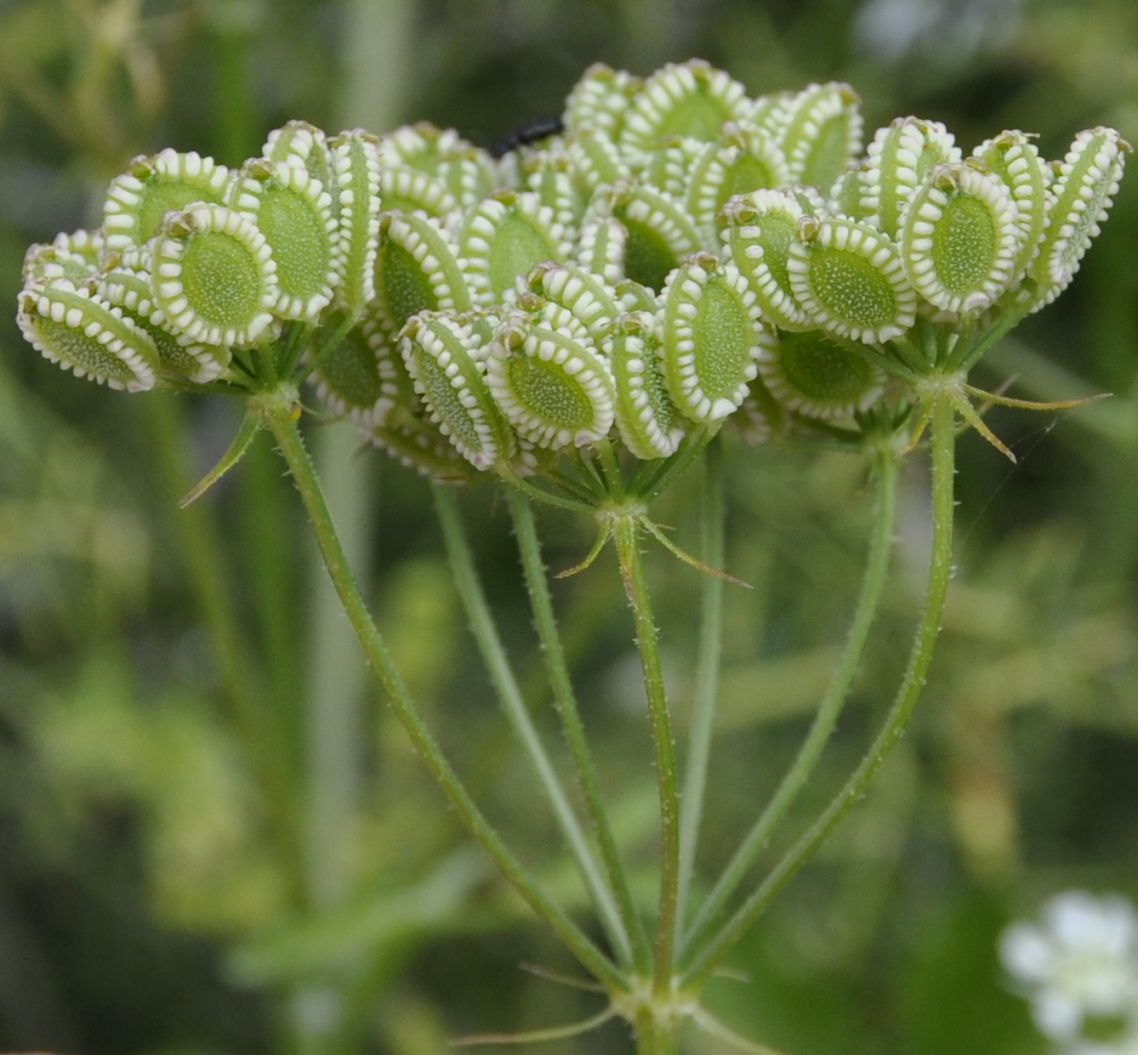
(185, 869)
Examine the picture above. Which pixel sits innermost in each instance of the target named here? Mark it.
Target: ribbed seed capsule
(746, 162)
(294, 213)
(552, 386)
(761, 228)
(213, 277)
(505, 236)
(847, 195)
(356, 174)
(363, 378)
(898, 159)
(768, 114)
(668, 165)
(692, 99)
(960, 239)
(548, 174)
(596, 161)
(1013, 159)
(822, 132)
(819, 376)
(649, 423)
(131, 291)
(1081, 198)
(303, 144)
(600, 100)
(632, 297)
(601, 247)
(408, 190)
(660, 234)
(849, 278)
(712, 338)
(417, 269)
(81, 332)
(761, 418)
(417, 444)
(74, 257)
(446, 359)
(586, 297)
(139, 199)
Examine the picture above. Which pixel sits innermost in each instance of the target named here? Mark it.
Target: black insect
(528, 133)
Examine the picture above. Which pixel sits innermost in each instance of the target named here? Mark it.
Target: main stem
(485, 632)
(648, 641)
(279, 417)
(565, 701)
(826, 718)
(943, 441)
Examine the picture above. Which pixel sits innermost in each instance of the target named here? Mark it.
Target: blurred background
(214, 839)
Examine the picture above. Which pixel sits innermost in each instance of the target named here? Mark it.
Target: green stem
(565, 700)
(690, 449)
(655, 1036)
(648, 641)
(943, 443)
(706, 673)
(485, 632)
(278, 418)
(829, 711)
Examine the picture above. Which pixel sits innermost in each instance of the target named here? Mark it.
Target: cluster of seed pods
(678, 254)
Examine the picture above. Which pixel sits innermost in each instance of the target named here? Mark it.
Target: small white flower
(1079, 969)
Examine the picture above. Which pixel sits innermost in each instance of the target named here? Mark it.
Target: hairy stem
(279, 418)
(565, 700)
(829, 711)
(920, 656)
(485, 632)
(648, 641)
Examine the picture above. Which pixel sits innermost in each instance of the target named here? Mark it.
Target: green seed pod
(408, 190)
(549, 175)
(1013, 158)
(139, 199)
(761, 418)
(769, 114)
(850, 280)
(748, 162)
(847, 195)
(668, 166)
(303, 144)
(551, 385)
(822, 132)
(819, 376)
(960, 239)
(599, 101)
(74, 257)
(601, 246)
(82, 333)
(363, 378)
(585, 296)
(417, 444)
(660, 234)
(466, 172)
(131, 292)
(760, 229)
(649, 423)
(712, 337)
(596, 161)
(505, 236)
(417, 269)
(446, 360)
(356, 175)
(294, 213)
(897, 161)
(633, 297)
(213, 277)
(1081, 198)
(692, 99)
